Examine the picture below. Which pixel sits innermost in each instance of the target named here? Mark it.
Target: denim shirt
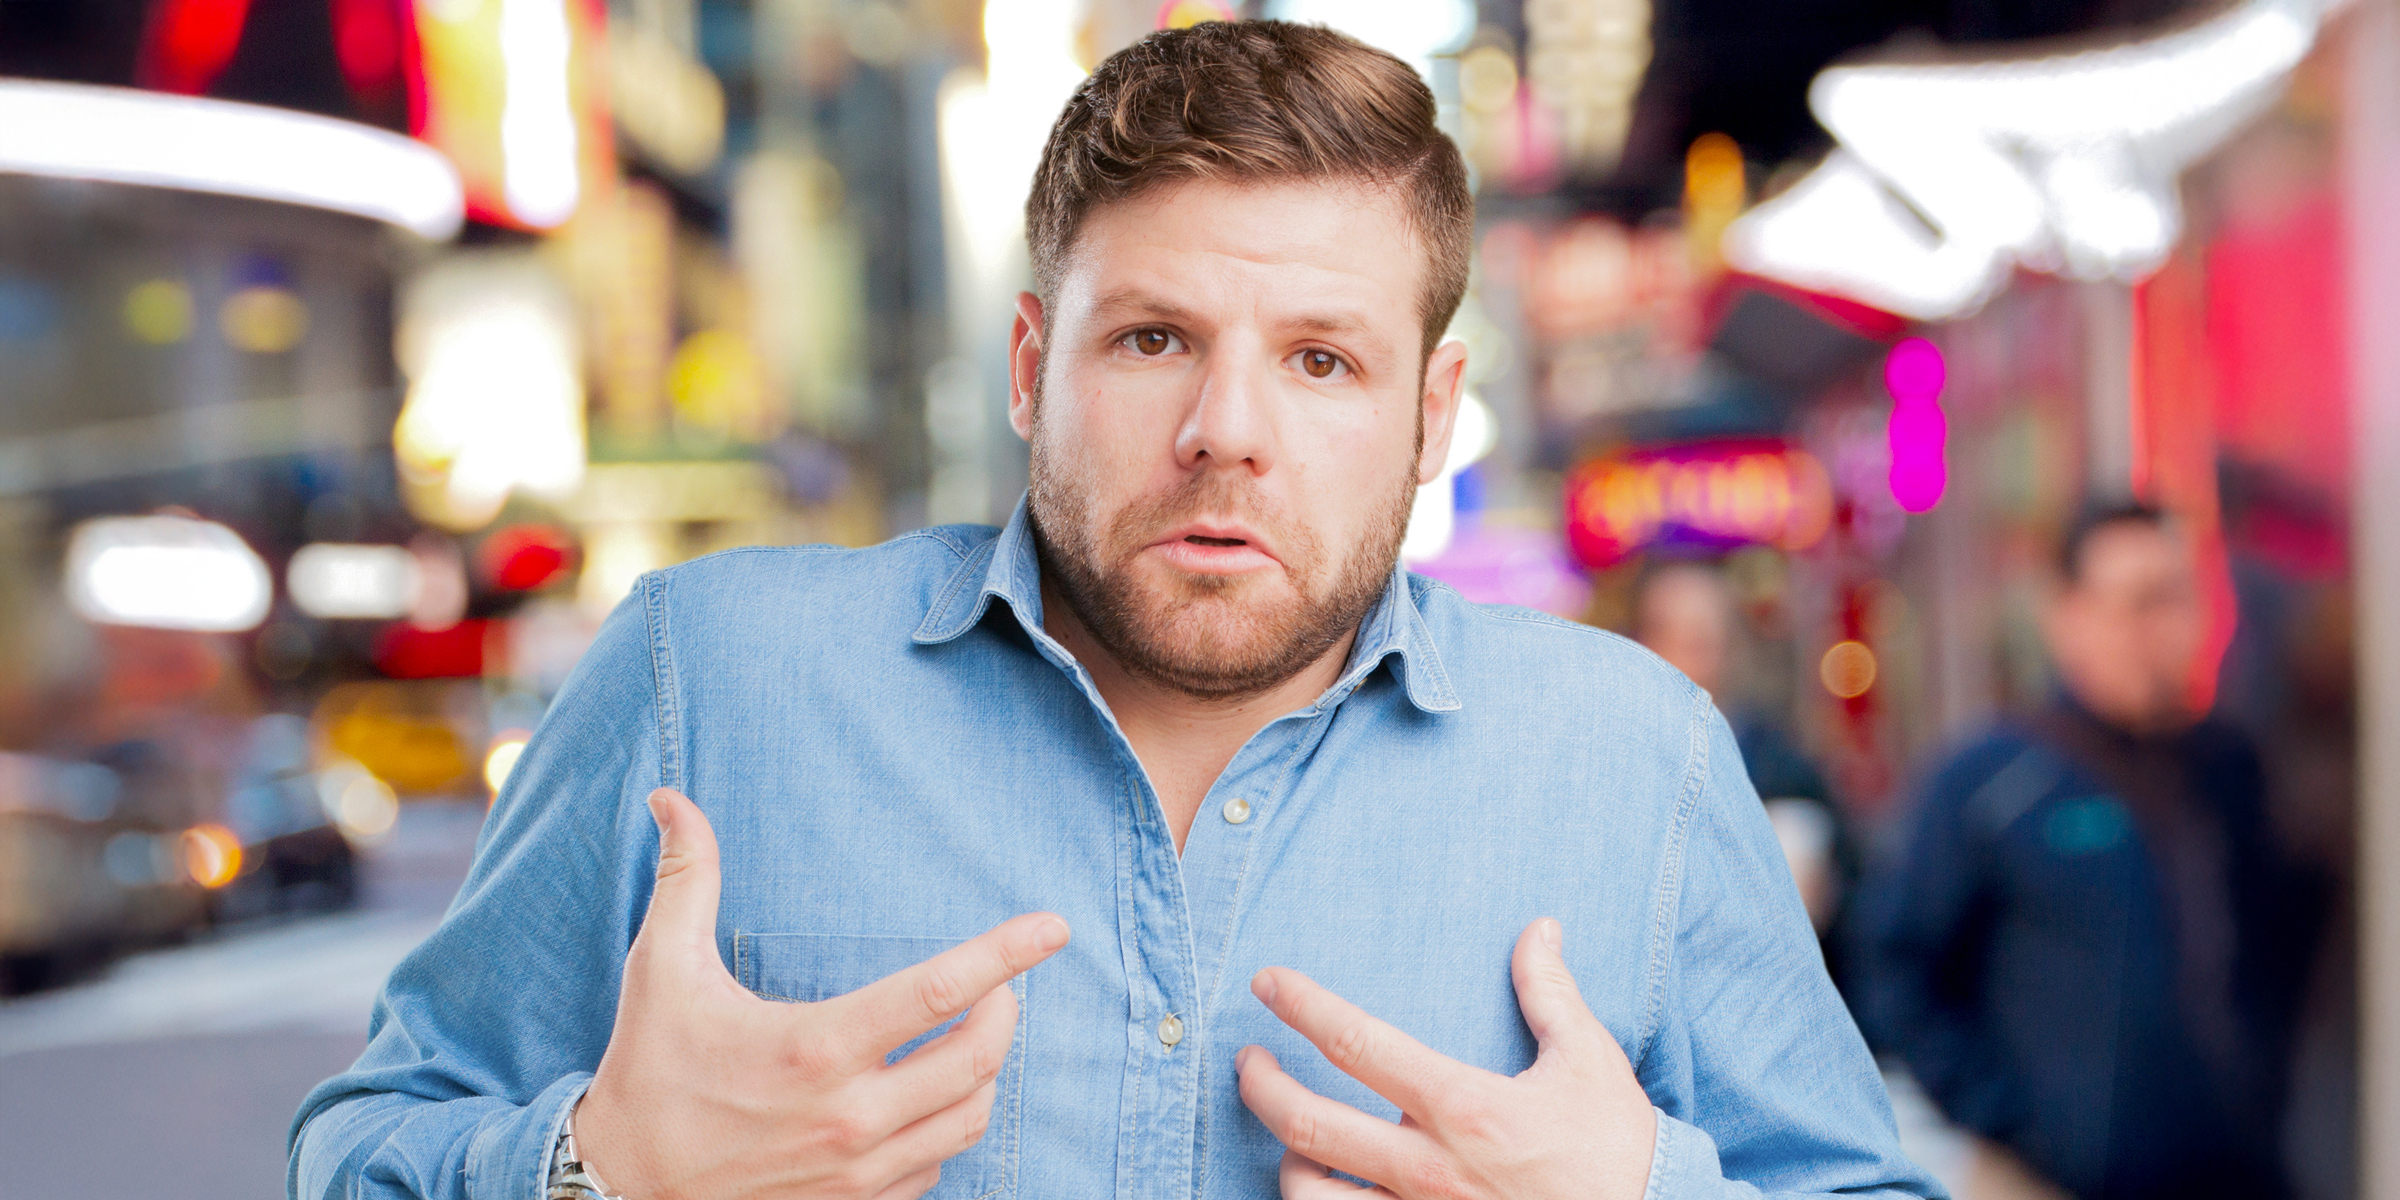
(895, 756)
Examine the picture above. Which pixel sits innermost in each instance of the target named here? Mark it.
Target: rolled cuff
(1684, 1166)
(510, 1158)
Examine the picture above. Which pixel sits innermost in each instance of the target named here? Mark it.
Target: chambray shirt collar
(1007, 568)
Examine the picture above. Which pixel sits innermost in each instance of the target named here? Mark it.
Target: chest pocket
(808, 967)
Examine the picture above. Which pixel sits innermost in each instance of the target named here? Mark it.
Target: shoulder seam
(662, 681)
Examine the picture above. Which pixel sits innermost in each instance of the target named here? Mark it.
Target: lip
(1252, 554)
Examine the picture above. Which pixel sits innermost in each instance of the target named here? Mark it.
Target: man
(1272, 842)
(1683, 613)
(2086, 951)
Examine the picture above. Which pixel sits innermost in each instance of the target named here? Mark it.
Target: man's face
(2127, 634)
(1685, 617)
(1230, 413)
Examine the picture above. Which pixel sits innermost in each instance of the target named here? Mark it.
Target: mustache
(1207, 493)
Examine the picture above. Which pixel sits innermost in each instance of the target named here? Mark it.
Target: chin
(1220, 635)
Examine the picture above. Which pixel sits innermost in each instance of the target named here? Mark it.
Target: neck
(1184, 741)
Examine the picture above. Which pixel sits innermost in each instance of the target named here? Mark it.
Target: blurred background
(356, 356)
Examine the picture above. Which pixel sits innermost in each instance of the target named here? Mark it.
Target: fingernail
(1262, 985)
(1550, 932)
(1241, 1059)
(658, 813)
(1053, 934)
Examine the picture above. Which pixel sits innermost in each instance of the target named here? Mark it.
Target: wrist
(572, 1174)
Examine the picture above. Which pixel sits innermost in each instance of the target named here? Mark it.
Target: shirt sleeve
(1762, 1082)
(488, 1032)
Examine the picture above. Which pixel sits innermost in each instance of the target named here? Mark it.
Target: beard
(1211, 637)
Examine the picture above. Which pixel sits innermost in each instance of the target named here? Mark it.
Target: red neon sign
(1716, 494)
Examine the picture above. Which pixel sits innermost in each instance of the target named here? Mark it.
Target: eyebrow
(1136, 301)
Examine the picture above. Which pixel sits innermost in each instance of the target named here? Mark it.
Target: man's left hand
(1574, 1124)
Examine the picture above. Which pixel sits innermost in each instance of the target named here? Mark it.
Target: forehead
(1264, 249)
(2132, 553)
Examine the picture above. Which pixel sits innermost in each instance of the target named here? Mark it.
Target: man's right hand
(709, 1091)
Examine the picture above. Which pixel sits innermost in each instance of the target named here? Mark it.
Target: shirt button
(1170, 1031)
(1237, 810)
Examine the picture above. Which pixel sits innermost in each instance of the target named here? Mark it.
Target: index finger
(1397, 1067)
(888, 1013)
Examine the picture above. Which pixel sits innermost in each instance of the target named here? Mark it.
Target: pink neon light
(1914, 374)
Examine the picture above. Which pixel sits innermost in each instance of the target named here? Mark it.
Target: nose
(1229, 425)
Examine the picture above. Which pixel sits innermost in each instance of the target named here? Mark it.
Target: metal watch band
(570, 1178)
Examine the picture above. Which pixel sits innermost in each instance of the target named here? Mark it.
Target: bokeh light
(212, 855)
(1847, 670)
(502, 758)
(159, 312)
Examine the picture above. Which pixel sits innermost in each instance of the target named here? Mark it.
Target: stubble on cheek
(1212, 637)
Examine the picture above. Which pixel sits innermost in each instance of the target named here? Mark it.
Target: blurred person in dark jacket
(1684, 613)
(2088, 950)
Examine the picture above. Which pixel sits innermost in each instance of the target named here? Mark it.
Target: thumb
(682, 923)
(1546, 992)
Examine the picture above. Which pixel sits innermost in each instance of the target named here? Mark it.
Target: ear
(1024, 363)
(1445, 382)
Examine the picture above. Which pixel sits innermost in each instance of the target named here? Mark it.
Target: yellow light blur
(212, 855)
(159, 312)
(1183, 14)
(1715, 187)
(1713, 176)
(502, 759)
(1847, 670)
(1487, 79)
(263, 320)
(717, 384)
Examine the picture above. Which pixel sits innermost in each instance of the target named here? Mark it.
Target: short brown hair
(1255, 101)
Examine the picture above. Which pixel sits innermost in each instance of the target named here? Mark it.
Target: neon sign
(1716, 494)
(1914, 374)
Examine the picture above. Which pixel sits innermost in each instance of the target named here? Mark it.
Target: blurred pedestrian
(1684, 612)
(2087, 950)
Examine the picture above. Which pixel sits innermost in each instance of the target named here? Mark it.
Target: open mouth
(1210, 548)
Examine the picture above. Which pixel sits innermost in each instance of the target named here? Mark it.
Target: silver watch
(570, 1177)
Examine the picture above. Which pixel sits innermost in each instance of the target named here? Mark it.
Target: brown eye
(1318, 363)
(1151, 341)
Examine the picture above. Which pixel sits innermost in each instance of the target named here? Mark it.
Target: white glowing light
(1950, 176)
(1414, 32)
(503, 759)
(992, 129)
(1434, 517)
(334, 581)
(166, 573)
(537, 112)
(118, 135)
(362, 806)
(495, 401)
